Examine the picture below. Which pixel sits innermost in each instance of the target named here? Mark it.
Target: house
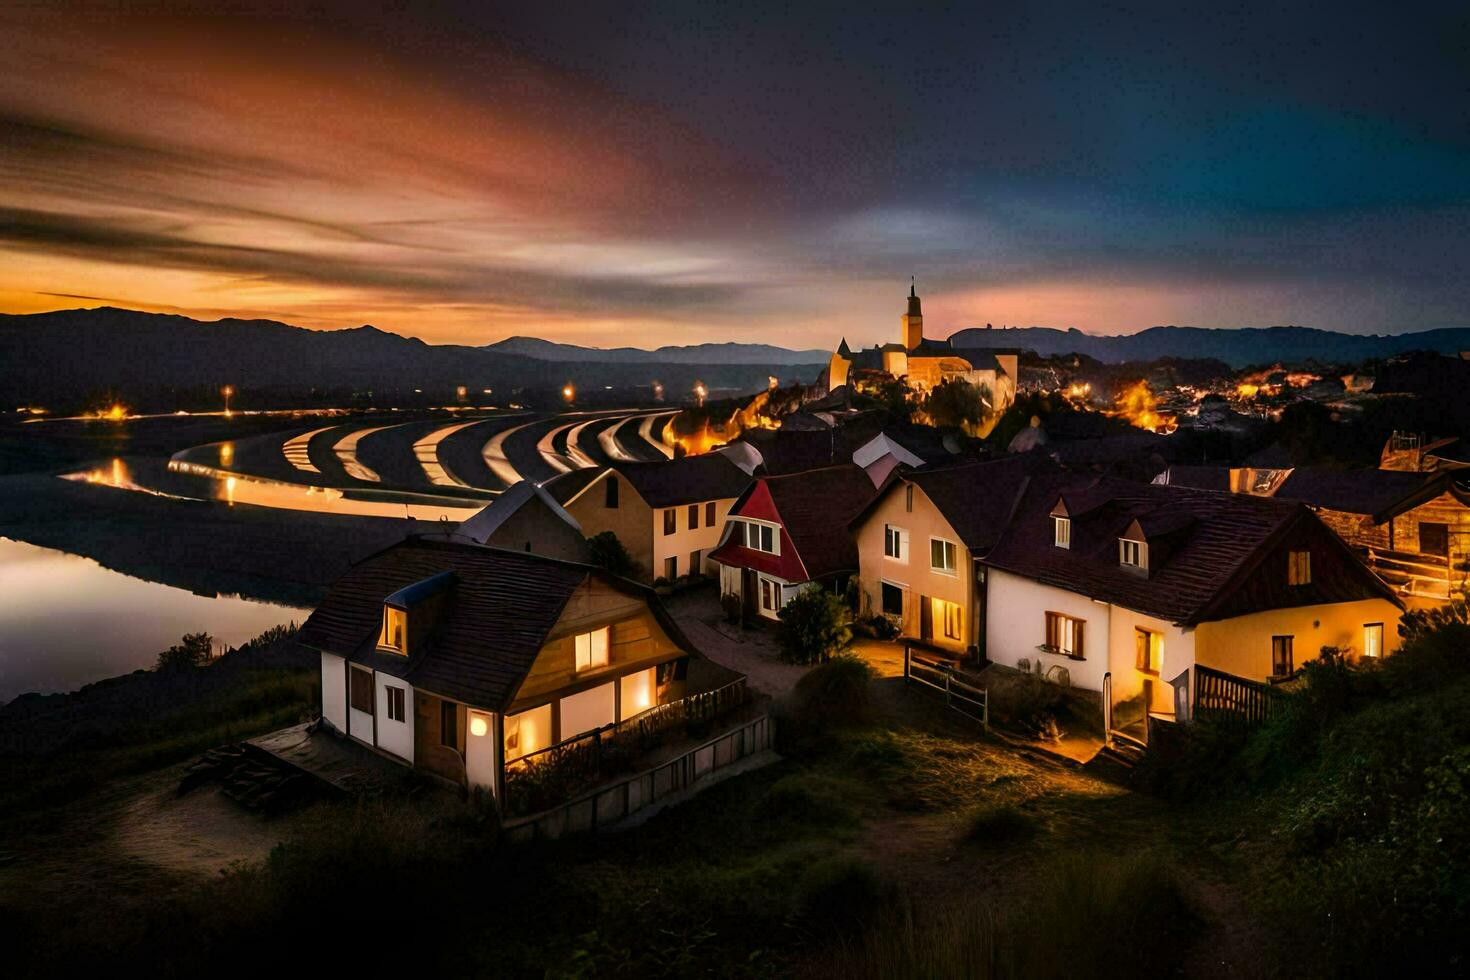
(527, 518)
(786, 532)
(927, 363)
(1411, 527)
(669, 515)
(1129, 586)
(908, 445)
(921, 541)
(458, 659)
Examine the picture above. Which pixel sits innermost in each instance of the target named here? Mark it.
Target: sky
(645, 174)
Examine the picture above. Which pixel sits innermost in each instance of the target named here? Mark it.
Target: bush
(1416, 624)
(835, 693)
(608, 552)
(813, 627)
(195, 651)
(1027, 702)
(1001, 823)
(841, 893)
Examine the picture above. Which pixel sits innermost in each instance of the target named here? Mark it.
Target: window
(1434, 539)
(1064, 634)
(895, 543)
(610, 493)
(908, 498)
(694, 563)
(1299, 568)
(1281, 659)
(395, 630)
(671, 568)
(709, 514)
(1148, 650)
(671, 521)
(527, 732)
(449, 724)
(588, 710)
(761, 537)
(1062, 531)
(1372, 639)
(362, 690)
(892, 599)
(693, 516)
(592, 649)
(1130, 553)
(770, 596)
(395, 704)
(947, 615)
(637, 692)
(942, 556)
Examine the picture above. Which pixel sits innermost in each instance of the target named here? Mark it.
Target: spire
(911, 287)
(914, 299)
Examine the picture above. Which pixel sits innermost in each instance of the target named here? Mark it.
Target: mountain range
(1238, 347)
(729, 353)
(60, 358)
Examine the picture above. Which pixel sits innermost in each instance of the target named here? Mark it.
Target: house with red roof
(785, 533)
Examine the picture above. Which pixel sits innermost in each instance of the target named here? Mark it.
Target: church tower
(913, 321)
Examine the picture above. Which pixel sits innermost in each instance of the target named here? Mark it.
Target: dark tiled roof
(977, 499)
(1217, 540)
(688, 480)
(503, 605)
(1199, 477)
(566, 486)
(815, 507)
(1380, 494)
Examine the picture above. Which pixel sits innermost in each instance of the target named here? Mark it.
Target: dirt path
(202, 832)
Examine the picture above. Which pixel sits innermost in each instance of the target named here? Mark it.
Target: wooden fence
(1224, 697)
(614, 803)
(959, 694)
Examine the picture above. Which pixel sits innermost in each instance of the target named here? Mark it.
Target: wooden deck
(334, 759)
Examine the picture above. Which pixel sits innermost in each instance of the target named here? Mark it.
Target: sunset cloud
(674, 175)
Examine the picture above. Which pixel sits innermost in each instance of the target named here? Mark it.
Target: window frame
(908, 498)
(1369, 630)
(384, 636)
(1139, 550)
(1290, 647)
(694, 517)
(1298, 567)
(589, 655)
(883, 585)
(756, 534)
(397, 703)
(952, 619)
(768, 587)
(709, 514)
(671, 520)
(949, 549)
(1061, 532)
(901, 536)
(1154, 645)
(1056, 633)
(450, 710)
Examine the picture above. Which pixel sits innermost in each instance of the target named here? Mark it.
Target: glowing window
(949, 618)
(395, 630)
(1064, 634)
(638, 692)
(592, 649)
(1373, 639)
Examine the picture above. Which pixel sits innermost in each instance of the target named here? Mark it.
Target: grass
(1001, 823)
(1085, 915)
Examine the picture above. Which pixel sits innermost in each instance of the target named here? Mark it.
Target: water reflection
(239, 488)
(67, 621)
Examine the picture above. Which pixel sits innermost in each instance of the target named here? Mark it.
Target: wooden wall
(631, 521)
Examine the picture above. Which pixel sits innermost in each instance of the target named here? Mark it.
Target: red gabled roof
(813, 509)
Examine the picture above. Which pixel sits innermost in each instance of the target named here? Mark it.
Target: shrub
(1418, 623)
(835, 693)
(1027, 702)
(813, 627)
(608, 552)
(841, 893)
(195, 651)
(1001, 823)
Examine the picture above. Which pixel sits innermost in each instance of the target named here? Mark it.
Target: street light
(227, 391)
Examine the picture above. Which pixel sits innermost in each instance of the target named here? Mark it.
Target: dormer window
(395, 630)
(761, 537)
(1132, 554)
(1062, 532)
(1299, 568)
(592, 649)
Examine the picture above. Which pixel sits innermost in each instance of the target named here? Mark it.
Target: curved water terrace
(427, 469)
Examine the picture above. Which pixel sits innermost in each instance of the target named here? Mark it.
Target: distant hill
(55, 359)
(1238, 347)
(730, 353)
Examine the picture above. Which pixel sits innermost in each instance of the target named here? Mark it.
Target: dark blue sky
(666, 172)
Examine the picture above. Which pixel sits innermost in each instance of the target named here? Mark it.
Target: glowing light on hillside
(569, 392)
(115, 412)
(226, 453)
(700, 392)
(1137, 404)
(227, 391)
(658, 391)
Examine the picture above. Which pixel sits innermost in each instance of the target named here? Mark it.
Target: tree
(957, 403)
(813, 626)
(608, 552)
(193, 651)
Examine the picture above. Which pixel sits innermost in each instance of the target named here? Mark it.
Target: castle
(926, 363)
